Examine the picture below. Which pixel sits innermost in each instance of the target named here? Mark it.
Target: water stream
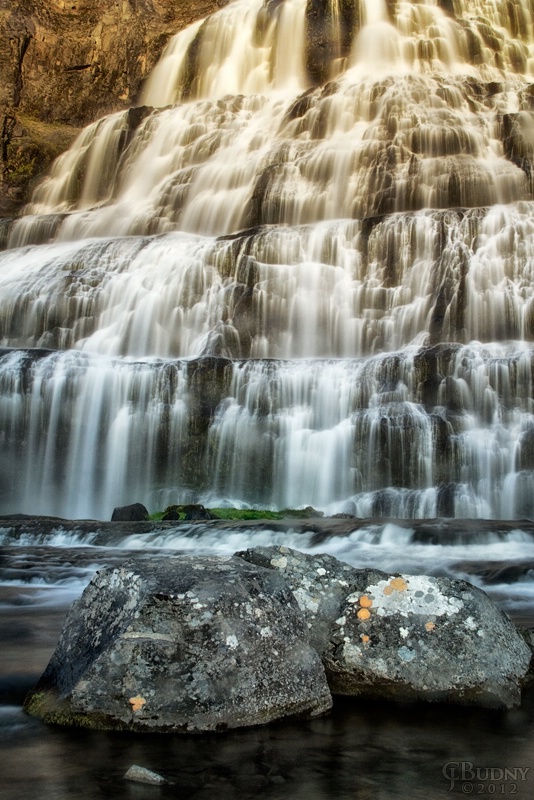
(298, 273)
(368, 750)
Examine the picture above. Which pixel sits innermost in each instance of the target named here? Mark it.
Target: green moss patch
(239, 513)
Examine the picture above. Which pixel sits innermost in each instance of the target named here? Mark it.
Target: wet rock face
(424, 638)
(182, 645)
(136, 512)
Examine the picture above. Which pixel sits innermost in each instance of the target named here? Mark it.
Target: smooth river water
(360, 750)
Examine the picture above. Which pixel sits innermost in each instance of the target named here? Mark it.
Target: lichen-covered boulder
(402, 637)
(319, 582)
(423, 638)
(182, 644)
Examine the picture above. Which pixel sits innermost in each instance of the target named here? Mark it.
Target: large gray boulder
(403, 637)
(422, 638)
(183, 644)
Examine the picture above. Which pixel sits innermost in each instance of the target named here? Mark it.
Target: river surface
(360, 750)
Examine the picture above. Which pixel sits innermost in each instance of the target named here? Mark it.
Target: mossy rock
(30, 146)
(197, 511)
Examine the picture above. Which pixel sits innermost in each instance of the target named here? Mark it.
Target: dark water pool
(361, 751)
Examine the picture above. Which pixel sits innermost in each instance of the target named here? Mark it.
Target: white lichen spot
(470, 624)
(232, 642)
(280, 563)
(404, 632)
(351, 652)
(420, 594)
(147, 635)
(306, 601)
(265, 632)
(341, 621)
(481, 633)
(406, 654)
(321, 571)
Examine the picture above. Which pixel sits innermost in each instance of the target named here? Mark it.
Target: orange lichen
(365, 638)
(365, 601)
(388, 590)
(137, 702)
(430, 626)
(399, 584)
(363, 613)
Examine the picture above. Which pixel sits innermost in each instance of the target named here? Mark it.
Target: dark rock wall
(64, 63)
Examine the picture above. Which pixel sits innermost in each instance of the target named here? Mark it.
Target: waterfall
(300, 272)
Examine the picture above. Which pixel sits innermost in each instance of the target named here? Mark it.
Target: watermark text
(470, 779)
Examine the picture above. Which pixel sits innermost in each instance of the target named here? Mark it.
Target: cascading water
(300, 273)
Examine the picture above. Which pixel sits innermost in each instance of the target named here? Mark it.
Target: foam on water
(44, 595)
(57, 537)
(53, 576)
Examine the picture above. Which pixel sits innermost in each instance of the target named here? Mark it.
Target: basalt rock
(142, 775)
(403, 637)
(528, 636)
(184, 645)
(136, 512)
(192, 644)
(424, 638)
(320, 584)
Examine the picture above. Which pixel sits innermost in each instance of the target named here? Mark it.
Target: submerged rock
(184, 644)
(144, 775)
(422, 638)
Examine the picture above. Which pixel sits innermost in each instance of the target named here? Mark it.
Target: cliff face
(64, 63)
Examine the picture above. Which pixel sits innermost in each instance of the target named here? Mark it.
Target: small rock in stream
(143, 775)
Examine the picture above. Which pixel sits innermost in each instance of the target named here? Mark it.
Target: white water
(382, 156)
(361, 436)
(52, 570)
(344, 289)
